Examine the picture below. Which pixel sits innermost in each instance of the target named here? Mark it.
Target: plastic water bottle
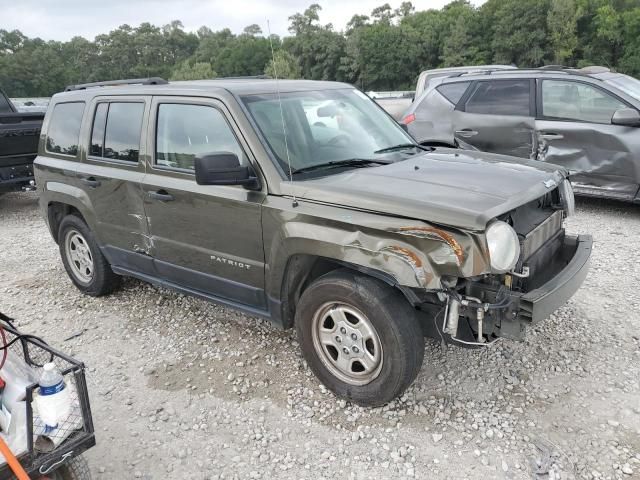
(53, 402)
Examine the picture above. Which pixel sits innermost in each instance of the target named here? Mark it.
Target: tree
(386, 50)
(404, 10)
(253, 30)
(382, 14)
(301, 23)
(195, 71)
(562, 24)
(519, 31)
(317, 49)
(458, 49)
(284, 66)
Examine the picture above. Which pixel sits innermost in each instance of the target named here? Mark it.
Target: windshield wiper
(402, 146)
(351, 162)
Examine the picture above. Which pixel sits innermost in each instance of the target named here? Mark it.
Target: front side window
(116, 131)
(64, 128)
(332, 125)
(577, 101)
(185, 132)
(501, 97)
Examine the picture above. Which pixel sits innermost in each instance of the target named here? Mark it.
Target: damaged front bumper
(492, 311)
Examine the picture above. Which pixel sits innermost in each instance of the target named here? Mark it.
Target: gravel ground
(181, 388)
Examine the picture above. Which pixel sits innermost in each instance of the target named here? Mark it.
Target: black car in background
(19, 134)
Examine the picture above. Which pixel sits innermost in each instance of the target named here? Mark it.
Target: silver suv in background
(585, 120)
(396, 103)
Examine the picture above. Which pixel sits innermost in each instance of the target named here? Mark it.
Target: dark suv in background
(585, 120)
(19, 135)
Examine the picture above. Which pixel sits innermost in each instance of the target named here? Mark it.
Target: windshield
(323, 126)
(629, 85)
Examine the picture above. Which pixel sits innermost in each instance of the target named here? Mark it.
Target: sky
(64, 19)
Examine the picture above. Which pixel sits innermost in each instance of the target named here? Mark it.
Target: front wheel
(360, 337)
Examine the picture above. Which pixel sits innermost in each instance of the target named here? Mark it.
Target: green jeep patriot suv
(305, 203)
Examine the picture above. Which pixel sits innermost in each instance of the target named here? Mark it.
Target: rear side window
(187, 131)
(503, 97)
(453, 91)
(116, 131)
(64, 128)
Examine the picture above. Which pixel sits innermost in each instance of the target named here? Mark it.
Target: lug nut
(354, 336)
(355, 349)
(338, 339)
(343, 330)
(345, 350)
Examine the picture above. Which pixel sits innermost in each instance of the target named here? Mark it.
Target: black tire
(75, 469)
(394, 320)
(102, 281)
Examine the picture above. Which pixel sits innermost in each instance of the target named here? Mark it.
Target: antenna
(284, 128)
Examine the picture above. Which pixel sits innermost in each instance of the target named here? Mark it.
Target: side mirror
(626, 117)
(223, 168)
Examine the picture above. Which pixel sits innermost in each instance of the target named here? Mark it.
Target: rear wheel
(360, 337)
(86, 266)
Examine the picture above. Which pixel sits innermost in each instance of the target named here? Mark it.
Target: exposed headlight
(504, 247)
(567, 198)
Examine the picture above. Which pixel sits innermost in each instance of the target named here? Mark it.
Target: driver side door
(206, 239)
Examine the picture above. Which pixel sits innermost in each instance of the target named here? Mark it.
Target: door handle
(466, 133)
(551, 136)
(91, 182)
(161, 195)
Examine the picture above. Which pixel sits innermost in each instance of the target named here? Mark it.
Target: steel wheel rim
(79, 256)
(347, 343)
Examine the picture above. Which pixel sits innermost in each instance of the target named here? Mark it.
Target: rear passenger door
(206, 238)
(575, 131)
(498, 116)
(111, 176)
(433, 115)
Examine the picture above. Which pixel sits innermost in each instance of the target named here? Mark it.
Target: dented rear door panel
(482, 120)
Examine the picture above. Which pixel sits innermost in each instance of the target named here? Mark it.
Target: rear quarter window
(4, 104)
(453, 91)
(63, 135)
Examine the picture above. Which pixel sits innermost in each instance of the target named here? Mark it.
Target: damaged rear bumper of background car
(493, 312)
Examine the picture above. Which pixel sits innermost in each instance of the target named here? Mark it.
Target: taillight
(408, 119)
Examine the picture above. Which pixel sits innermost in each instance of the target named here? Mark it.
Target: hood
(459, 188)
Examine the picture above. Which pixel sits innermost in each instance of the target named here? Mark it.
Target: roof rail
(582, 72)
(593, 69)
(485, 71)
(246, 77)
(553, 67)
(115, 83)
